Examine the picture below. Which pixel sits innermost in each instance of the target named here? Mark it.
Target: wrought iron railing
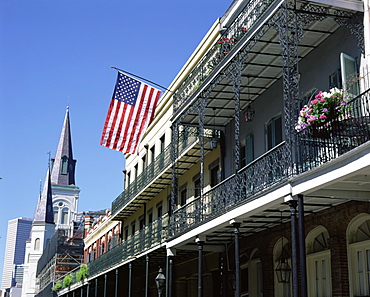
(187, 137)
(150, 236)
(216, 54)
(264, 172)
(151, 171)
(342, 134)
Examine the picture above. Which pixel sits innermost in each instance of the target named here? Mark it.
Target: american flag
(130, 112)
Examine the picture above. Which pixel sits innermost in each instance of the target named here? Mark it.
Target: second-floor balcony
(148, 237)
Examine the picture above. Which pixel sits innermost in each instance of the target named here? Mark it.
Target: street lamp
(159, 281)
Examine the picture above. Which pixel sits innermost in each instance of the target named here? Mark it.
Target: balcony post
(105, 285)
(302, 245)
(129, 278)
(290, 34)
(237, 80)
(174, 154)
(169, 268)
(200, 266)
(88, 289)
(81, 291)
(237, 257)
(146, 275)
(293, 205)
(202, 105)
(116, 285)
(96, 287)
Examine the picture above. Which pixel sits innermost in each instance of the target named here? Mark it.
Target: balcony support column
(116, 285)
(105, 285)
(87, 289)
(293, 206)
(302, 246)
(201, 110)
(129, 278)
(200, 266)
(169, 268)
(237, 80)
(146, 275)
(174, 155)
(290, 30)
(96, 287)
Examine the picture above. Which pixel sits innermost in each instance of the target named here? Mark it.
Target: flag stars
(127, 90)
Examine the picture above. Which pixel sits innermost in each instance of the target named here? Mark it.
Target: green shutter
(249, 153)
(349, 75)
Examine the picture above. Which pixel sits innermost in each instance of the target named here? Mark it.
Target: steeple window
(64, 218)
(37, 244)
(64, 167)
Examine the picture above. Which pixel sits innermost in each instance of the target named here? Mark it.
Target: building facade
(252, 180)
(17, 234)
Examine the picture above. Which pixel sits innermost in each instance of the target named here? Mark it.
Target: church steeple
(63, 172)
(44, 208)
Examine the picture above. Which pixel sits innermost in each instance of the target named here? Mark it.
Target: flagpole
(142, 78)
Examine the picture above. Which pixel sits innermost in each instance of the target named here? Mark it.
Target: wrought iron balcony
(247, 18)
(144, 239)
(342, 134)
(264, 172)
(187, 137)
(162, 161)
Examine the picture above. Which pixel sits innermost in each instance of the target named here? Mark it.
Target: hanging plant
(321, 113)
(57, 286)
(82, 273)
(67, 280)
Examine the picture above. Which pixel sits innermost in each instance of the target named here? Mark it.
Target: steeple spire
(63, 172)
(44, 208)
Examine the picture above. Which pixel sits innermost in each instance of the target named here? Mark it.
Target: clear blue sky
(52, 50)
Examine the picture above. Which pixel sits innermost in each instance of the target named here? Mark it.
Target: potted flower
(322, 113)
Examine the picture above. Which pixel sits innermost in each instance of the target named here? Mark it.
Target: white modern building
(17, 234)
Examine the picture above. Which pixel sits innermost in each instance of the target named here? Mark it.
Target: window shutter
(349, 75)
(249, 153)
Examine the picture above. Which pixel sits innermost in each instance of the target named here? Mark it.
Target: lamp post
(159, 281)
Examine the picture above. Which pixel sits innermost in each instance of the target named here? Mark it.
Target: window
(143, 159)
(37, 244)
(196, 180)
(214, 174)
(274, 132)
(318, 263)
(141, 222)
(64, 167)
(358, 237)
(128, 178)
(136, 168)
(183, 194)
(159, 209)
(150, 216)
(55, 210)
(247, 152)
(64, 218)
(133, 228)
(162, 142)
(152, 154)
(126, 233)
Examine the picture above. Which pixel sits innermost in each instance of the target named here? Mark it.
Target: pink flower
(322, 100)
(315, 101)
(322, 117)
